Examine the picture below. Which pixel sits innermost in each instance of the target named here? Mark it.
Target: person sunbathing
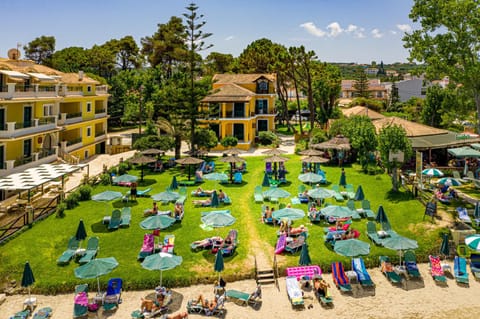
(205, 303)
(178, 210)
(267, 214)
(149, 305)
(203, 202)
(297, 230)
(221, 195)
(153, 211)
(320, 286)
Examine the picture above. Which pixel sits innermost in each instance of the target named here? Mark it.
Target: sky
(358, 31)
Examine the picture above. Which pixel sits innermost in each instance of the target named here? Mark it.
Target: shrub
(85, 192)
(268, 138)
(60, 211)
(229, 141)
(123, 168)
(105, 179)
(317, 136)
(72, 200)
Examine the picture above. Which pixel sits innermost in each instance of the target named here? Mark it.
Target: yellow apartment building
(241, 105)
(46, 114)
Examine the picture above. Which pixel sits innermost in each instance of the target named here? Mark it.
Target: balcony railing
(20, 125)
(98, 111)
(97, 134)
(23, 160)
(73, 115)
(74, 141)
(46, 120)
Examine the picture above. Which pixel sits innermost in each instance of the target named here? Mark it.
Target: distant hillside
(348, 69)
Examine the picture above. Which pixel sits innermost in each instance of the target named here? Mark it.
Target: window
(89, 131)
(89, 107)
(47, 110)
(262, 125)
(261, 107)
(27, 148)
(89, 88)
(86, 154)
(238, 131)
(262, 87)
(239, 110)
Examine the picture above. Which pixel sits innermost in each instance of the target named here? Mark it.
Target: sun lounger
(366, 210)
(373, 234)
(363, 276)
(349, 191)
(294, 292)
(245, 298)
(91, 251)
(295, 244)
(387, 269)
(336, 193)
(463, 215)
(143, 192)
(355, 214)
(206, 243)
(148, 246)
(475, 264)
(44, 313)
(219, 310)
(80, 301)
(68, 254)
(436, 269)
(257, 194)
(126, 217)
(340, 279)
(325, 296)
(113, 295)
(411, 264)
(229, 243)
(24, 314)
(460, 270)
(168, 244)
(115, 220)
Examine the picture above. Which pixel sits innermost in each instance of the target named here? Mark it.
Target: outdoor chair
(349, 191)
(113, 295)
(373, 234)
(295, 244)
(144, 192)
(168, 244)
(245, 298)
(80, 301)
(436, 269)
(340, 279)
(475, 264)
(363, 276)
(24, 314)
(336, 193)
(115, 220)
(68, 254)
(460, 270)
(194, 307)
(148, 246)
(294, 292)
(237, 178)
(366, 210)
(463, 215)
(411, 264)
(91, 251)
(44, 313)
(387, 269)
(126, 217)
(355, 214)
(257, 194)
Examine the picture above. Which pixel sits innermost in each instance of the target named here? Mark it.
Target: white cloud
(404, 27)
(351, 28)
(335, 29)
(311, 28)
(357, 31)
(393, 32)
(376, 33)
(229, 38)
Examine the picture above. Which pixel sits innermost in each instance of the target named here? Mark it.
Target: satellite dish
(14, 54)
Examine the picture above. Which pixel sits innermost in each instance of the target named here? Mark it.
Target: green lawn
(47, 239)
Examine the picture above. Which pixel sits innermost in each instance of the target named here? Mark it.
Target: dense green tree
(448, 42)
(229, 141)
(360, 84)
(205, 139)
(127, 53)
(218, 63)
(393, 139)
(71, 59)
(433, 106)
(258, 57)
(363, 138)
(167, 47)
(195, 89)
(326, 89)
(281, 70)
(40, 50)
(102, 60)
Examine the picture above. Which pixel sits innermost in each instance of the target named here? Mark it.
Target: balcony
(101, 89)
(99, 113)
(70, 90)
(100, 136)
(72, 144)
(69, 118)
(18, 129)
(36, 159)
(13, 91)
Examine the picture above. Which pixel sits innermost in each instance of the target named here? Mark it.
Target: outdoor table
(400, 270)
(80, 252)
(106, 220)
(351, 275)
(446, 267)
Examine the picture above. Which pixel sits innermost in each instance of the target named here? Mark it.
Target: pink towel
(81, 299)
(436, 267)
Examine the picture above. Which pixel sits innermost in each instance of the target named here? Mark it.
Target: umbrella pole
(98, 285)
(231, 172)
(161, 271)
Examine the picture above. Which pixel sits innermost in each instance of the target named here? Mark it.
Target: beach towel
(81, 299)
(435, 266)
(358, 265)
(293, 290)
(339, 274)
(411, 266)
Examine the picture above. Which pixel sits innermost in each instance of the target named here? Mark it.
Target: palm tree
(173, 127)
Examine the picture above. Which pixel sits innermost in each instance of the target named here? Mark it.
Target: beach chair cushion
(126, 217)
(115, 220)
(43, 313)
(460, 270)
(411, 264)
(68, 254)
(294, 292)
(463, 215)
(91, 251)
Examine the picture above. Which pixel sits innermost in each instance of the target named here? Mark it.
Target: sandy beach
(413, 299)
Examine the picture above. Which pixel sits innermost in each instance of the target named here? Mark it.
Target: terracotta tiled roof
(362, 110)
(241, 78)
(413, 129)
(73, 78)
(230, 93)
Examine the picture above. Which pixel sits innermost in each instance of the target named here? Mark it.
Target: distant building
(46, 114)
(371, 71)
(245, 104)
(376, 89)
(414, 87)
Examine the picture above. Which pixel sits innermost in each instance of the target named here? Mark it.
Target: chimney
(80, 75)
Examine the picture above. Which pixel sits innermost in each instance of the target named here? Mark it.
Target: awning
(42, 77)
(450, 139)
(14, 74)
(464, 152)
(36, 176)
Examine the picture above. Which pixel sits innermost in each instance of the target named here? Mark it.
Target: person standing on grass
(343, 178)
(133, 191)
